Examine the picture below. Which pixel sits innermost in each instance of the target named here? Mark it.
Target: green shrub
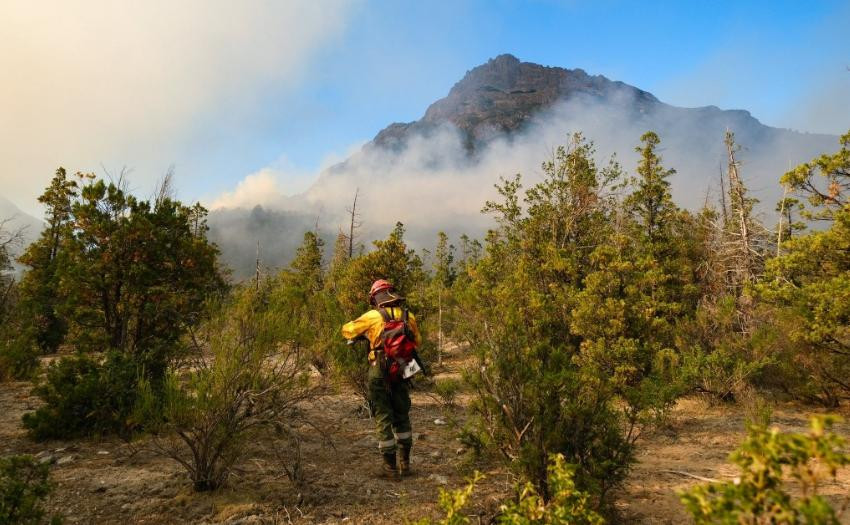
(23, 486)
(718, 360)
(244, 385)
(758, 411)
(565, 505)
(719, 375)
(447, 389)
(809, 287)
(18, 349)
(18, 354)
(453, 502)
(760, 495)
(84, 397)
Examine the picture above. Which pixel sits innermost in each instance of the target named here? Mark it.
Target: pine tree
(534, 397)
(307, 264)
(663, 238)
(638, 285)
(338, 265)
(833, 194)
(651, 202)
(135, 274)
(40, 294)
(809, 284)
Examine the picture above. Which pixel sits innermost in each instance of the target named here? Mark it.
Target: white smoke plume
(433, 183)
(104, 82)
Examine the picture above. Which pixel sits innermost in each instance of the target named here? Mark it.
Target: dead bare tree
(739, 241)
(723, 207)
(164, 188)
(353, 225)
(781, 217)
(257, 274)
(742, 208)
(9, 238)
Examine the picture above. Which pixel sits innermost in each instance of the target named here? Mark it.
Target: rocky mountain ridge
(504, 95)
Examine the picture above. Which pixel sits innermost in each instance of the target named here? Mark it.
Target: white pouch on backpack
(411, 369)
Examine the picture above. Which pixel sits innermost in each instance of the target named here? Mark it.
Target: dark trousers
(391, 407)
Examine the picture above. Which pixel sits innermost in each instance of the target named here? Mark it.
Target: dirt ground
(105, 481)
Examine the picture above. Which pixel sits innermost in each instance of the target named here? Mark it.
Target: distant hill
(505, 117)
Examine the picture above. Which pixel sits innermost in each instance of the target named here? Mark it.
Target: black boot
(388, 469)
(404, 460)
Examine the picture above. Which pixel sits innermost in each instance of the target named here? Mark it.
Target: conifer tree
(638, 285)
(824, 182)
(40, 294)
(336, 274)
(651, 202)
(810, 283)
(307, 264)
(135, 274)
(534, 396)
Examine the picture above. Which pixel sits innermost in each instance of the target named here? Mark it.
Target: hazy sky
(223, 90)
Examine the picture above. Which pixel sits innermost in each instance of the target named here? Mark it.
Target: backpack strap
(384, 314)
(404, 315)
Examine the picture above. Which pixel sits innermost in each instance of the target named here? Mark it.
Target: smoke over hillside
(435, 174)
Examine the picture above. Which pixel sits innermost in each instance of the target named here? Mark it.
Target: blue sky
(394, 59)
(317, 79)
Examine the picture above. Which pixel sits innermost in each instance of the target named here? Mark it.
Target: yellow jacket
(371, 324)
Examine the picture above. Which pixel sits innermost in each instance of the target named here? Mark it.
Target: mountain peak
(501, 96)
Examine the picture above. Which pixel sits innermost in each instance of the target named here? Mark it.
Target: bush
(18, 349)
(24, 485)
(84, 397)
(453, 502)
(719, 375)
(718, 361)
(247, 377)
(447, 389)
(566, 504)
(18, 354)
(759, 494)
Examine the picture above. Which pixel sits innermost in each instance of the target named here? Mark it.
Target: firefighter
(388, 390)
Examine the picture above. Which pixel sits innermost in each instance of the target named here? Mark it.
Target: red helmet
(379, 286)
